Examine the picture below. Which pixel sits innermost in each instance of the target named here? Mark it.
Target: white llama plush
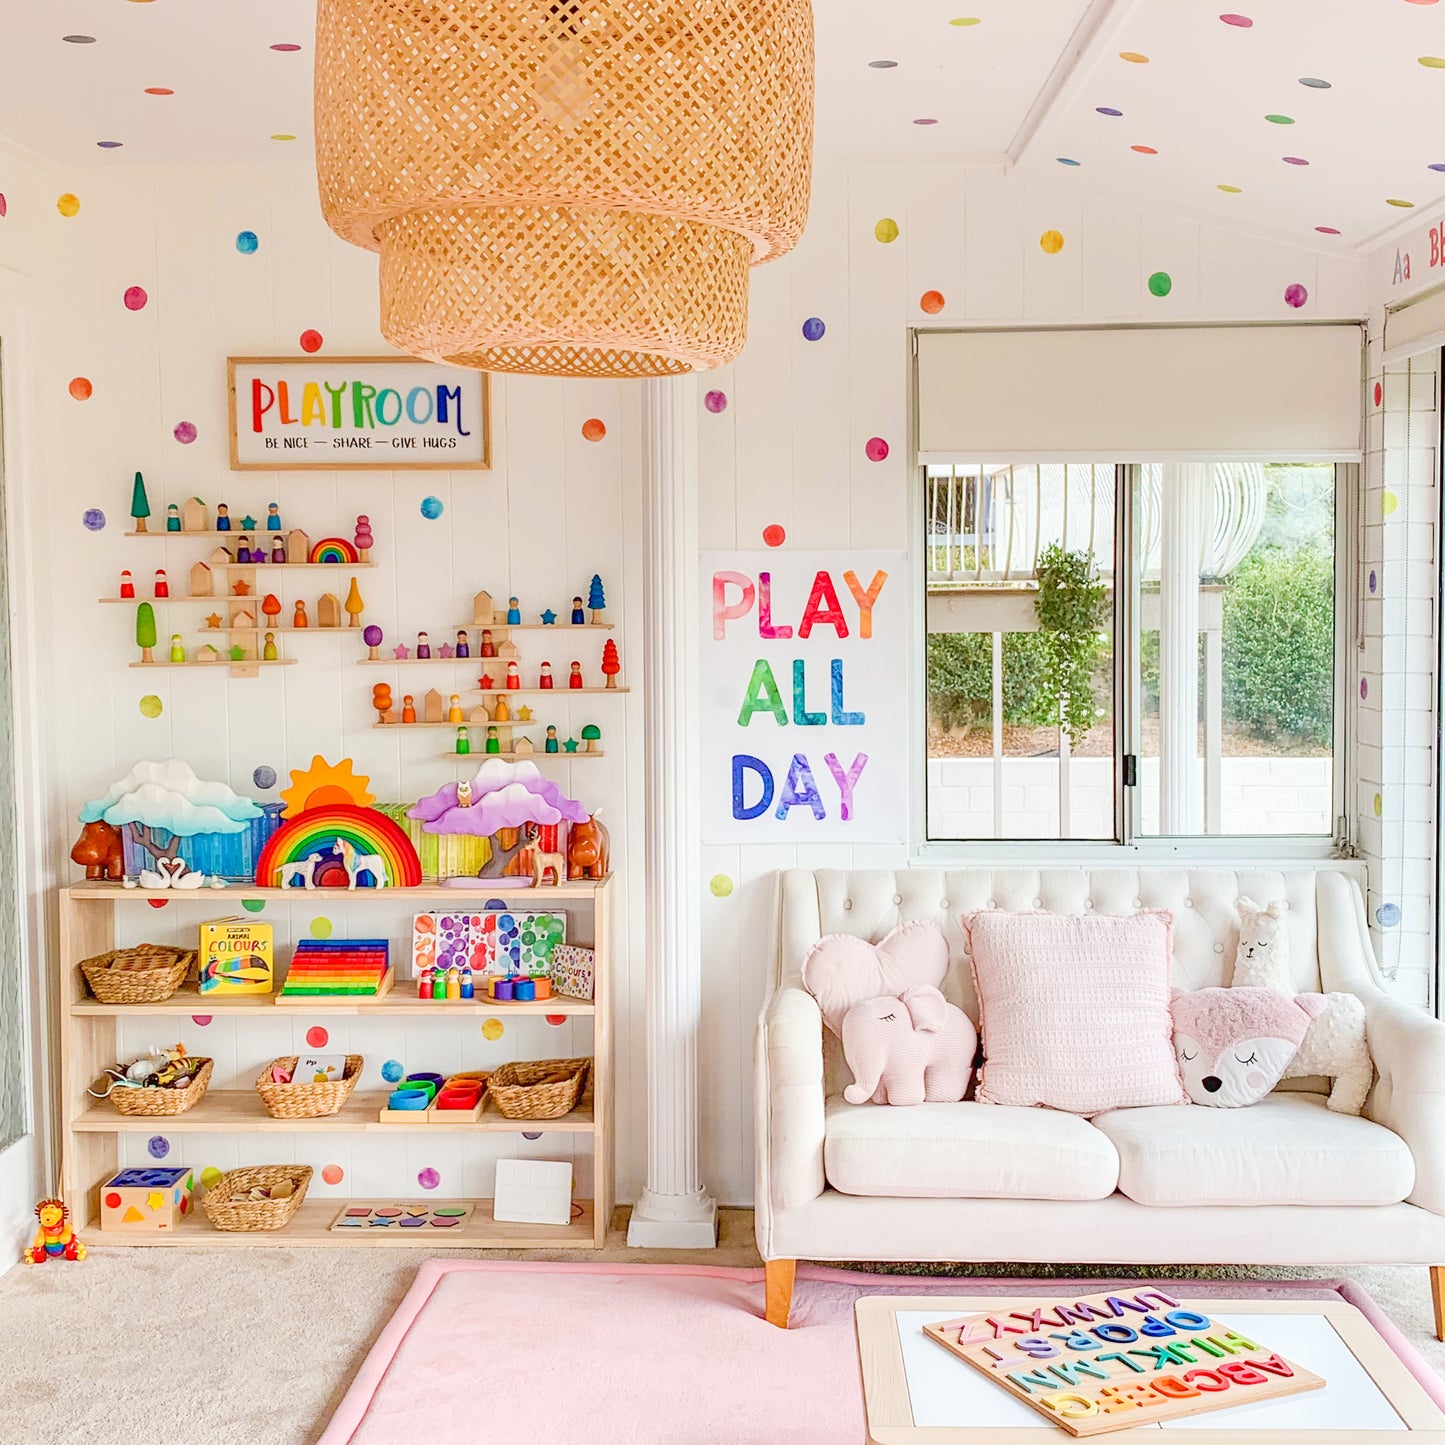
(1334, 1046)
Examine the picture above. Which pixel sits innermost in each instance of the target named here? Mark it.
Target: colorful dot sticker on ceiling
(264, 777)
(431, 508)
(1295, 295)
(93, 519)
(1387, 915)
(247, 242)
(1161, 283)
(1388, 502)
(774, 535)
(1051, 242)
(68, 204)
(1379, 806)
(1280, 119)
(1242, 21)
(253, 905)
(317, 1037)
(185, 432)
(201, 1020)
(716, 402)
(392, 1070)
(814, 329)
(428, 1179)
(150, 705)
(931, 302)
(310, 341)
(593, 429)
(135, 298)
(1433, 62)
(1315, 83)
(320, 927)
(876, 449)
(1230, 190)
(886, 230)
(80, 388)
(492, 1029)
(720, 885)
(1133, 57)
(1404, 205)
(210, 1177)
(158, 1146)
(333, 1174)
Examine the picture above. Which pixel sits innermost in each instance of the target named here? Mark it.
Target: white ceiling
(1024, 85)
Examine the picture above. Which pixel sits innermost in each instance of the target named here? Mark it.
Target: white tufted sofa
(1283, 1182)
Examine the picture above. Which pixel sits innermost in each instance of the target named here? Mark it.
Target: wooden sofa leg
(780, 1274)
(1437, 1295)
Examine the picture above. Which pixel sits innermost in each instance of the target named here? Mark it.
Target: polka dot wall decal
(1364, 688)
(1067, 161)
(247, 242)
(4, 205)
(925, 120)
(428, 1179)
(93, 520)
(1388, 503)
(1051, 242)
(1280, 119)
(814, 329)
(1328, 230)
(310, 341)
(333, 1174)
(1133, 57)
(201, 1021)
(264, 777)
(1433, 62)
(716, 402)
(68, 204)
(253, 905)
(1374, 582)
(593, 430)
(1379, 806)
(1242, 21)
(1387, 915)
(1379, 393)
(1294, 160)
(80, 388)
(774, 535)
(931, 302)
(150, 705)
(882, 65)
(432, 508)
(529, 1135)
(317, 1038)
(556, 1020)
(110, 145)
(1403, 205)
(78, 39)
(1161, 283)
(210, 1177)
(720, 885)
(966, 20)
(282, 135)
(1315, 83)
(185, 432)
(876, 450)
(886, 230)
(159, 90)
(1295, 295)
(1144, 150)
(286, 46)
(320, 928)
(1108, 110)
(492, 1029)
(158, 1146)
(1433, 166)
(1230, 190)
(135, 298)
(158, 902)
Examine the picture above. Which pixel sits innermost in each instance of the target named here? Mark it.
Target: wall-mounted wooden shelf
(225, 663)
(261, 531)
(401, 1002)
(533, 626)
(161, 601)
(325, 631)
(337, 567)
(506, 757)
(425, 893)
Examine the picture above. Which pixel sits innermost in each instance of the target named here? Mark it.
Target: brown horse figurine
(100, 852)
(588, 849)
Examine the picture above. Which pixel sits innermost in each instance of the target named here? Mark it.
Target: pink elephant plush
(904, 1042)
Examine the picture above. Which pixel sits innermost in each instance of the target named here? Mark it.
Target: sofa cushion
(965, 1151)
(1287, 1149)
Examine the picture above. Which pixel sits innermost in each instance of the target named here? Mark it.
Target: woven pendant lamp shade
(566, 187)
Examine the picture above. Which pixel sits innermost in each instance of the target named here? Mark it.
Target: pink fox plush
(1234, 1044)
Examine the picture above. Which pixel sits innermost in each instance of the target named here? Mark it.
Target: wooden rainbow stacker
(1111, 1361)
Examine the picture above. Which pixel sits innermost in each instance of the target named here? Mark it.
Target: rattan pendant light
(566, 187)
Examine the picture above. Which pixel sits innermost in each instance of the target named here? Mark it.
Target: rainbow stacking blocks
(354, 967)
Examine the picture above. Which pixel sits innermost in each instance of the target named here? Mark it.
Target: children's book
(236, 957)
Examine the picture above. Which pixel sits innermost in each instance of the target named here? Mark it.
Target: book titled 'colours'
(236, 956)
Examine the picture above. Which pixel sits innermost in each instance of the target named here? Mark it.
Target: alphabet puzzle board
(1108, 1362)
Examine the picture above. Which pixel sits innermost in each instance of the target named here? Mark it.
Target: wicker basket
(306, 1101)
(146, 974)
(228, 1208)
(544, 1089)
(156, 1103)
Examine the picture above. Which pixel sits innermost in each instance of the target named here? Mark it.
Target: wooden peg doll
(423, 645)
(173, 518)
(298, 617)
(514, 613)
(501, 713)
(178, 651)
(464, 742)
(223, 517)
(545, 679)
(127, 584)
(487, 649)
(243, 550)
(514, 677)
(494, 742)
(273, 517)
(408, 708)
(278, 550)
(454, 710)
(551, 744)
(574, 678)
(463, 648)
(269, 652)
(578, 616)
(162, 587)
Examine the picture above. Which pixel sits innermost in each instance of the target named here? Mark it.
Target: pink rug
(483, 1353)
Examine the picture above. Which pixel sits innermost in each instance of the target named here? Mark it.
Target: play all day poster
(804, 703)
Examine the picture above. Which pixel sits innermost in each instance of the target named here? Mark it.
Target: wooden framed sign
(1111, 1361)
(389, 413)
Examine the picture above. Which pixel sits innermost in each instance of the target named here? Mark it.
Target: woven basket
(145, 974)
(228, 1208)
(306, 1101)
(544, 1089)
(156, 1103)
(566, 189)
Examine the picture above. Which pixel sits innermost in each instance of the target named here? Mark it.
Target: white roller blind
(1417, 326)
(1257, 393)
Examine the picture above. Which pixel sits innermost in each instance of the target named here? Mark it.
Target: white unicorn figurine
(358, 863)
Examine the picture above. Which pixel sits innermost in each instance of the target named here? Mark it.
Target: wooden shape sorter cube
(1111, 1361)
(138, 1201)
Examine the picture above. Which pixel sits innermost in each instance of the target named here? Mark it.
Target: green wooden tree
(140, 507)
(145, 631)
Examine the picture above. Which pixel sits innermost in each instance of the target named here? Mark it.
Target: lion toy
(55, 1239)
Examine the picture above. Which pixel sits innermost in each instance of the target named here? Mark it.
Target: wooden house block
(508, 652)
(241, 617)
(298, 546)
(221, 557)
(433, 707)
(146, 1201)
(207, 653)
(194, 516)
(523, 745)
(328, 610)
(482, 609)
(202, 582)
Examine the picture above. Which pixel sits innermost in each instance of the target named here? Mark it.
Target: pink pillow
(1074, 1009)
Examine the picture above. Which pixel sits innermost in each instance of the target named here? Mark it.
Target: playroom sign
(804, 703)
(391, 413)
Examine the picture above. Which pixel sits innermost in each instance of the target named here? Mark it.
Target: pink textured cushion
(1074, 1009)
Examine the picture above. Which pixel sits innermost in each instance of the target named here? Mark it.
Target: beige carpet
(259, 1345)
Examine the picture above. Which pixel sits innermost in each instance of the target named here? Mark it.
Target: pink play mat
(505, 1353)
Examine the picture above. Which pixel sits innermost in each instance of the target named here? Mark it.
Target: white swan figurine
(161, 879)
(184, 877)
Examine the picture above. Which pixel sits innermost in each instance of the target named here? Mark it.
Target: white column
(1184, 512)
(675, 1211)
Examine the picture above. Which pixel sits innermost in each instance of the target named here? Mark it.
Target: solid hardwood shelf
(240, 1111)
(320, 566)
(310, 1229)
(261, 531)
(258, 631)
(507, 757)
(533, 627)
(136, 601)
(426, 892)
(221, 664)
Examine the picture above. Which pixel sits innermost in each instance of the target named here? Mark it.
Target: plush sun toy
(55, 1239)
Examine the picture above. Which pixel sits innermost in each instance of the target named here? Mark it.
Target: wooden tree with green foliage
(145, 630)
(140, 507)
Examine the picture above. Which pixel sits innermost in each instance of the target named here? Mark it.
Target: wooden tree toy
(596, 598)
(140, 507)
(194, 516)
(328, 610)
(269, 652)
(408, 708)
(611, 665)
(178, 650)
(298, 545)
(145, 631)
(464, 743)
(544, 678)
(173, 518)
(127, 585)
(574, 678)
(162, 586)
(203, 581)
(271, 608)
(354, 605)
(454, 710)
(372, 637)
(579, 618)
(273, 517)
(431, 706)
(362, 539)
(381, 701)
(591, 735)
(223, 517)
(299, 619)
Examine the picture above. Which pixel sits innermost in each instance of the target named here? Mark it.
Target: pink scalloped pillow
(1074, 1009)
